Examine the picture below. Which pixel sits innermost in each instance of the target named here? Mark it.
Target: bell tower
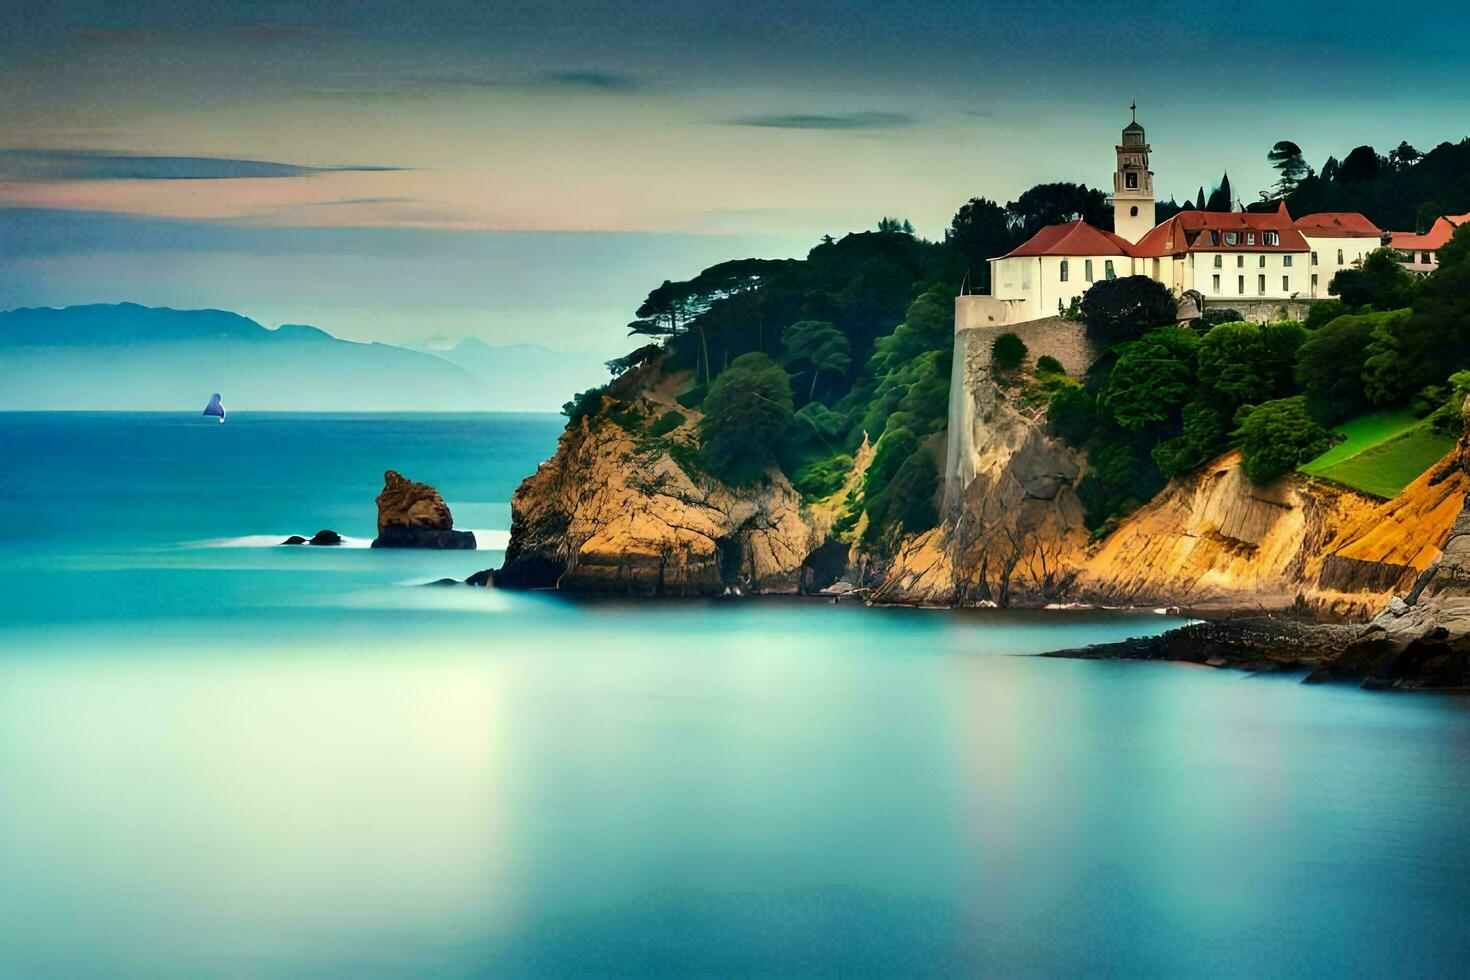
(1133, 184)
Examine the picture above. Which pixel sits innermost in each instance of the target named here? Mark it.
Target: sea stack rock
(413, 515)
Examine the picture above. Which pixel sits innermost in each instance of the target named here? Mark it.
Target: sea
(222, 757)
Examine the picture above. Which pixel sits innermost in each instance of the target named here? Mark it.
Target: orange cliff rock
(1214, 540)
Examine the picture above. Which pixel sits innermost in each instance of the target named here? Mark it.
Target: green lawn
(1363, 432)
(1383, 453)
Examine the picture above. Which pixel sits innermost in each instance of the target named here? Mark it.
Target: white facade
(1041, 284)
(1330, 256)
(1247, 275)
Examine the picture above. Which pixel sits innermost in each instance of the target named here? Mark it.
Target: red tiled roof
(1191, 231)
(1073, 238)
(1337, 224)
(1438, 234)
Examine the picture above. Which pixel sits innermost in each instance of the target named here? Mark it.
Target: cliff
(615, 511)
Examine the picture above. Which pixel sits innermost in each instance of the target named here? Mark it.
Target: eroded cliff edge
(616, 511)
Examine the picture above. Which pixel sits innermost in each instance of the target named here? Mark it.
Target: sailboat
(215, 408)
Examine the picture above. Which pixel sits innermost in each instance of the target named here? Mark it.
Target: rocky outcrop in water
(413, 515)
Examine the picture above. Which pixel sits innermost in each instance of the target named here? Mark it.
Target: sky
(527, 172)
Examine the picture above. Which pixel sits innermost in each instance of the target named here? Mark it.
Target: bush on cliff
(666, 423)
(746, 413)
(1329, 367)
(1153, 378)
(1007, 352)
(1125, 309)
(1247, 363)
(1381, 283)
(1277, 436)
(905, 501)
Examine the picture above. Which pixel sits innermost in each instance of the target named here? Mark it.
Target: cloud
(590, 81)
(835, 121)
(54, 165)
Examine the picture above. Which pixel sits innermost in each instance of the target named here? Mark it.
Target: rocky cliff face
(611, 512)
(1012, 531)
(1213, 540)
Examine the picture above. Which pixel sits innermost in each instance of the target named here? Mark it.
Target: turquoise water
(220, 759)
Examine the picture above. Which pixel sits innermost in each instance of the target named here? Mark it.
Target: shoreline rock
(413, 515)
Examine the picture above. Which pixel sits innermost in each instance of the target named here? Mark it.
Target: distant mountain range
(131, 357)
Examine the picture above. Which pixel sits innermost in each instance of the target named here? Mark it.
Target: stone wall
(1262, 310)
(1064, 340)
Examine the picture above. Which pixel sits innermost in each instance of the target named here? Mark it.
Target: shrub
(1246, 363)
(666, 423)
(583, 404)
(1007, 352)
(1153, 378)
(694, 397)
(1127, 308)
(1381, 282)
(821, 478)
(1277, 436)
(1072, 415)
(1324, 311)
(1046, 364)
(1329, 367)
(747, 411)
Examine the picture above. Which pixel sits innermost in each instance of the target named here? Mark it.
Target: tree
(746, 413)
(1007, 352)
(1287, 158)
(1127, 308)
(1382, 282)
(900, 226)
(1329, 367)
(1363, 163)
(979, 233)
(1404, 156)
(819, 344)
(632, 359)
(1221, 198)
(1057, 203)
(1246, 363)
(1277, 436)
(1330, 169)
(1154, 377)
(1199, 201)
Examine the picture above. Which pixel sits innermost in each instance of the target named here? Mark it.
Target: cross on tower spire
(1133, 108)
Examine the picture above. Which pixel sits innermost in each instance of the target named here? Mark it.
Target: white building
(1225, 257)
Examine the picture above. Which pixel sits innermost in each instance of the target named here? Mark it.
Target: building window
(1286, 284)
(1216, 288)
(1260, 285)
(1230, 238)
(1240, 285)
(1108, 269)
(1250, 238)
(1261, 260)
(1314, 258)
(1424, 258)
(1240, 261)
(1271, 238)
(1087, 270)
(1339, 256)
(1214, 238)
(1130, 180)
(1064, 270)
(1286, 261)
(1133, 211)
(1314, 284)
(1219, 261)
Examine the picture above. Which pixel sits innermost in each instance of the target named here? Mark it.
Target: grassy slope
(1383, 453)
